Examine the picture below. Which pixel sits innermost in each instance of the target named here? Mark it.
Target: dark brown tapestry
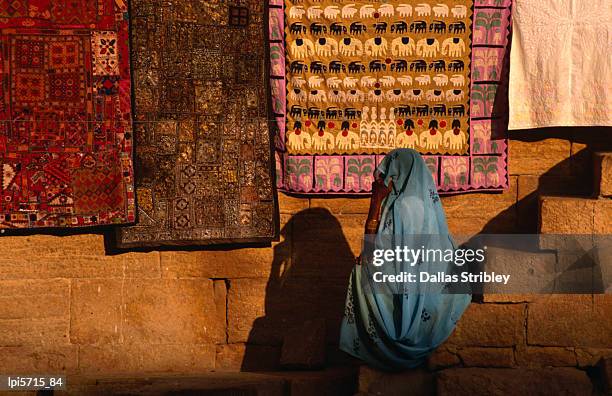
(203, 152)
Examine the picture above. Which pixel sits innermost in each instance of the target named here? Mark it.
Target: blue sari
(387, 326)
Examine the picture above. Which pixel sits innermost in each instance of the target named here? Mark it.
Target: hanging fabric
(351, 81)
(66, 131)
(203, 154)
(560, 69)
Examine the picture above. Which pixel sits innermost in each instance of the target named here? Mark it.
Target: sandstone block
(443, 358)
(469, 214)
(337, 381)
(214, 383)
(571, 321)
(550, 156)
(145, 358)
(487, 357)
(535, 356)
(80, 264)
(38, 359)
(152, 311)
(236, 263)
(495, 325)
(142, 265)
(319, 227)
(554, 217)
(342, 205)
(37, 246)
(164, 311)
(336, 357)
(578, 270)
(530, 270)
(322, 259)
(482, 381)
(531, 187)
(45, 331)
(50, 267)
(261, 310)
(236, 357)
(34, 299)
(220, 295)
(417, 382)
(581, 162)
(246, 304)
(304, 346)
(603, 217)
(289, 204)
(590, 356)
(603, 174)
(96, 311)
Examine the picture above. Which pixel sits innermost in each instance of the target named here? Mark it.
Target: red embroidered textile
(65, 130)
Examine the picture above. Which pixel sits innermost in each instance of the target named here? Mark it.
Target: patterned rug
(203, 153)
(65, 135)
(351, 80)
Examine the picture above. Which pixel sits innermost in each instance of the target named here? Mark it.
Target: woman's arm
(379, 193)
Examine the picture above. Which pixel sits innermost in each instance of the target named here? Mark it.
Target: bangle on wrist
(371, 224)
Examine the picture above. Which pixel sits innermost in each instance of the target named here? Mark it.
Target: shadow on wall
(534, 150)
(573, 176)
(308, 281)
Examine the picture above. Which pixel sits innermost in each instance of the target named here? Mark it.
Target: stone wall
(70, 304)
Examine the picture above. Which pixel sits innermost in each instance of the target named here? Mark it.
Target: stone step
(330, 382)
(491, 381)
(207, 384)
(475, 382)
(417, 382)
(337, 381)
(603, 174)
(575, 215)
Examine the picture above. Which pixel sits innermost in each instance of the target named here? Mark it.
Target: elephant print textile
(455, 137)
(297, 140)
(427, 47)
(326, 47)
(407, 139)
(453, 46)
(403, 46)
(363, 77)
(431, 139)
(302, 48)
(376, 46)
(354, 60)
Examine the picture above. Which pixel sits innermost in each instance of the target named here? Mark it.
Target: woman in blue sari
(395, 326)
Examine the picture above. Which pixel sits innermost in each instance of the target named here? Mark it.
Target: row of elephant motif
(426, 47)
(334, 83)
(378, 65)
(369, 11)
(298, 112)
(357, 28)
(397, 95)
